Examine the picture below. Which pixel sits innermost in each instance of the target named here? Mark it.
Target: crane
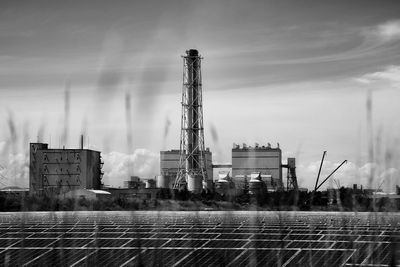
(319, 172)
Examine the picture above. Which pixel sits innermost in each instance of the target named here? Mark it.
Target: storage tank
(222, 182)
(208, 185)
(268, 182)
(194, 183)
(162, 181)
(255, 184)
(150, 183)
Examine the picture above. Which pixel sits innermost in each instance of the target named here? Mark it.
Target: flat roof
(255, 148)
(63, 149)
(177, 151)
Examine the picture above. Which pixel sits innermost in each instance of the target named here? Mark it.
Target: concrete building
(169, 164)
(264, 160)
(56, 171)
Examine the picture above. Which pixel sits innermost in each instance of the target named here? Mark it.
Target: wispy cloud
(385, 32)
(338, 43)
(390, 74)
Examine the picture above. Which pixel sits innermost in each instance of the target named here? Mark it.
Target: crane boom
(319, 172)
(331, 174)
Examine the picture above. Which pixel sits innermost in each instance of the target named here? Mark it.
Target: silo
(195, 183)
(162, 181)
(150, 183)
(255, 184)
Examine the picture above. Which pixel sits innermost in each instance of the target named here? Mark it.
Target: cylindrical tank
(195, 183)
(150, 183)
(255, 183)
(222, 185)
(208, 185)
(162, 181)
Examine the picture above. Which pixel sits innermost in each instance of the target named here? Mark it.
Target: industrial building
(135, 182)
(169, 167)
(56, 171)
(263, 160)
(134, 193)
(191, 166)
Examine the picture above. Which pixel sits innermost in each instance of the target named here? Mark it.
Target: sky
(294, 72)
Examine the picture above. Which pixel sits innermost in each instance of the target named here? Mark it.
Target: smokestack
(81, 141)
(192, 169)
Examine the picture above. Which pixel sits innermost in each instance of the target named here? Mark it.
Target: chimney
(81, 141)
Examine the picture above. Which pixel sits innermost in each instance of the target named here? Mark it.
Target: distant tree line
(343, 199)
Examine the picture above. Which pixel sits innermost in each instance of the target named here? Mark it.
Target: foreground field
(199, 239)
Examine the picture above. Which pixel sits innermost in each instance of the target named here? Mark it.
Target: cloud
(370, 40)
(14, 170)
(118, 167)
(390, 178)
(385, 32)
(390, 74)
(349, 174)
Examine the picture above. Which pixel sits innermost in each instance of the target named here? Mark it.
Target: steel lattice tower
(192, 171)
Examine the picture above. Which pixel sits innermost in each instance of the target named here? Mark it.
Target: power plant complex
(254, 169)
(57, 171)
(191, 166)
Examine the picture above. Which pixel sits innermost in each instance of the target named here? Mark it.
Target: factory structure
(169, 168)
(191, 165)
(260, 166)
(54, 171)
(254, 169)
(258, 161)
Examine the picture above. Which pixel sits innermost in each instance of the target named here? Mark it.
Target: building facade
(169, 165)
(56, 171)
(264, 160)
